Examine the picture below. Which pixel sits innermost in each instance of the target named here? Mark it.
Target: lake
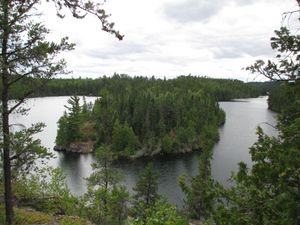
(236, 136)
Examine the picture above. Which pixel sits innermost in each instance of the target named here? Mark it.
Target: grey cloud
(193, 10)
(238, 48)
(116, 51)
(244, 2)
(227, 53)
(199, 10)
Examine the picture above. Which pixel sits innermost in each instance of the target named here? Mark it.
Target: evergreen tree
(268, 193)
(162, 213)
(26, 54)
(74, 119)
(76, 124)
(26, 151)
(200, 191)
(145, 192)
(106, 199)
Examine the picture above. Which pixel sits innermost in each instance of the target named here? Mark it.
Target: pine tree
(107, 200)
(145, 192)
(26, 54)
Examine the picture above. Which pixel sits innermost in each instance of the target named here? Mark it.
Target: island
(141, 117)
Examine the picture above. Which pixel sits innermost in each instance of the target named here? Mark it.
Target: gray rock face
(78, 147)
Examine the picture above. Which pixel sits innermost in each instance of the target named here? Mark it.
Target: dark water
(236, 136)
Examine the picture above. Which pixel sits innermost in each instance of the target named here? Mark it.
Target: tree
(146, 192)
(69, 124)
(26, 150)
(25, 54)
(162, 213)
(124, 139)
(200, 191)
(106, 199)
(268, 193)
(62, 136)
(286, 65)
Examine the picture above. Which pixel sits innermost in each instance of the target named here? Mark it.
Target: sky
(169, 38)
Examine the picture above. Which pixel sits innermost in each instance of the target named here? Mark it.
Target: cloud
(193, 10)
(119, 50)
(174, 37)
(236, 48)
(200, 10)
(244, 2)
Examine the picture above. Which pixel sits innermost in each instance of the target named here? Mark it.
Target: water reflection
(76, 168)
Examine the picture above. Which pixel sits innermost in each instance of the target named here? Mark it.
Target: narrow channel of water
(236, 136)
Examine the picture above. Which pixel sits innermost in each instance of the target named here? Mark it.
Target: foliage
(124, 139)
(268, 193)
(162, 213)
(221, 89)
(105, 201)
(67, 220)
(200, 191)
(75, 125)
(28, 60)
(26, 150)
(141, 116)
(286, 66)
(138, 116)
(145, 192)
(277, 100)
(26, 217)
(46, 191)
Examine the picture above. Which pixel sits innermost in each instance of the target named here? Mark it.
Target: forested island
(144, 117)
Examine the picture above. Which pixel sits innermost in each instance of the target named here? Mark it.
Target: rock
(78, 147)
(59, 148)
(195, 222)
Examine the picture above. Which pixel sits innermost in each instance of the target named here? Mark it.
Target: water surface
(236, 136)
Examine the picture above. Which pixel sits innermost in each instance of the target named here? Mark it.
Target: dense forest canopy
(141, 116)
(221, 89)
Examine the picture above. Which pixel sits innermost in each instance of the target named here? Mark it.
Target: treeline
(140, 116)
(221, 89)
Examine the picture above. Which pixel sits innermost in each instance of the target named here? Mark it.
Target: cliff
(78, 147)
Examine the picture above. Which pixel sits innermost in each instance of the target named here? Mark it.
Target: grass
(23, 216)
(26, 217)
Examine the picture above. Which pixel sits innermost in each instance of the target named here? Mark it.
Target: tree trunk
(5, 118)
(6, 164)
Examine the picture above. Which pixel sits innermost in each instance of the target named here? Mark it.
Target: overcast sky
(167, 38)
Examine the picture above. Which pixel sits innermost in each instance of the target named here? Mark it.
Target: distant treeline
(220, 89)
(147, 116)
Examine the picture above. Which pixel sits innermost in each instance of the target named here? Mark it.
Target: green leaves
(286, 66)
(162, 213)
(26, 150)
(267, 193)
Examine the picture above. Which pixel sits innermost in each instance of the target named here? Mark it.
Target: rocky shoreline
(88, 147)
(78, 147)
